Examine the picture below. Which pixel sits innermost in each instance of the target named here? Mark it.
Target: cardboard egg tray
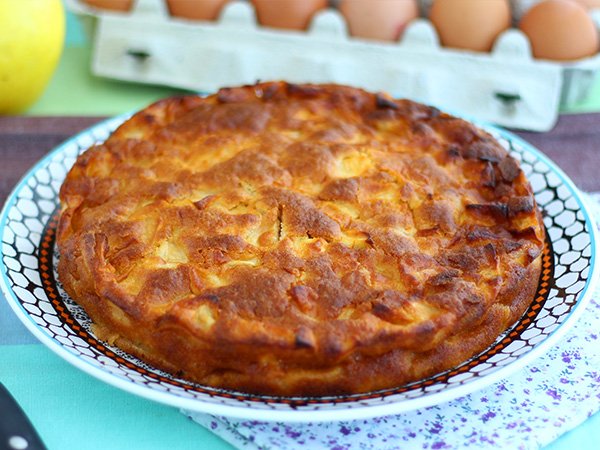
(507, 86)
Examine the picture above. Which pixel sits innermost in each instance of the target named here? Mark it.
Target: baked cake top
(297, 221)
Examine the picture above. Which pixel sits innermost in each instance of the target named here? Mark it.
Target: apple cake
(299, 240)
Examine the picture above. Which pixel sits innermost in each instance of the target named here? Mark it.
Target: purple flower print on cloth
(527, 410)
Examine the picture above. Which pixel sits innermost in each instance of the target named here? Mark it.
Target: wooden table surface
(574, 144)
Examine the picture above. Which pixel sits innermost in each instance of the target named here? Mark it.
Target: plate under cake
(299, 240)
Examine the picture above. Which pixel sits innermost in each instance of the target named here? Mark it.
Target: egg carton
(506, 87)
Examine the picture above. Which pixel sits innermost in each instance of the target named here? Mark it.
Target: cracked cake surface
(299, 239)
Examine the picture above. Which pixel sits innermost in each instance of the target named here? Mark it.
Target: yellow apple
(32, 34)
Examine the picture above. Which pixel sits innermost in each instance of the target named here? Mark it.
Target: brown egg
(384, 20)
(115, 5)
(560, 30)
(291, 14)
(470, 24)
(196, 9)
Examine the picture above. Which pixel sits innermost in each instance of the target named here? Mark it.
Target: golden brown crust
(299, 239)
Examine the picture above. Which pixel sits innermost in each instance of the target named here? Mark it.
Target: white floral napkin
(528, 410)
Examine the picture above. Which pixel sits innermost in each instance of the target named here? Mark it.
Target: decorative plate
(29, 282)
